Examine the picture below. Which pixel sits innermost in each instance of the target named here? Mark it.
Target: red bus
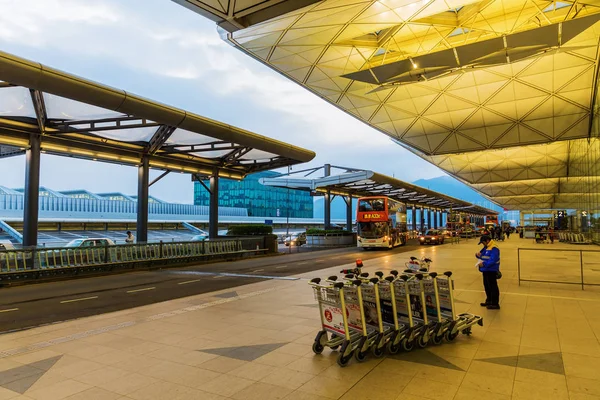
(381, 222)
(491, 219)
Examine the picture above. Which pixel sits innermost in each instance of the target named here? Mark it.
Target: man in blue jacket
(489, 266)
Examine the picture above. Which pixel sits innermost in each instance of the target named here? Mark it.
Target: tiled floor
(255, 343)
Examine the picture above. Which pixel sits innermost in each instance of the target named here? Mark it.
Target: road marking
(281, 266)
(217, 276)
(320, 260)
(302, 263)
(81, 299)
(9, 310)
(258, 270)
(141, 290)
(186, 282)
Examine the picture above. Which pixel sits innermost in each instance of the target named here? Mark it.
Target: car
(201, 237)
(297, 239)
(6, 245)
(433, 236)
(90, 242)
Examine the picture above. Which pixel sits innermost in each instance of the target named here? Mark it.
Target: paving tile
(434, 390)
(584, 385)
(245, 353)
(287, 378)
(297, 395)
(128, 383)
(488, 383)
(581, 366)
(326, 387)
(533, 391)
(95, 394)
(222, 364)
(469, 393)
(225, 385)
(102, 375)
(166, 390)
(262, 391)
(253, 371)
(58, 391)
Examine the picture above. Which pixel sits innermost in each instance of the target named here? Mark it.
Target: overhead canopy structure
(80, 118)
(363, 183)
(499, 93)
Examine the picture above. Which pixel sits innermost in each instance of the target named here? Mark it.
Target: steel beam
(32, 191)
(142, 200)
(348, 200)
(159, 138)
(213, 206)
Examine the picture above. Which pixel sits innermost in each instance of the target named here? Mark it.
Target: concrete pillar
(213, 205)
(422, 227)
(414, 218)
(32, 190)
(142, 200)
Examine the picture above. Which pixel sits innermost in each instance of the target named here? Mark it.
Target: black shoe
(493, 307)
(484, 304)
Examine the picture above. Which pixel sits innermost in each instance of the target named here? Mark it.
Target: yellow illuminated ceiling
(491, 91)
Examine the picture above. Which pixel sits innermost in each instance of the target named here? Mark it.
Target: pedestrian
(508, 233)
(130, 238)
(489, 266)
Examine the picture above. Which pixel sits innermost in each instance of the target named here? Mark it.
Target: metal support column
(213, 206)
(32, 191)
(422, 227)
(439, 218)
(327, 205)
(432, 220)
(414, 218)
(142, 200)
(348, 200)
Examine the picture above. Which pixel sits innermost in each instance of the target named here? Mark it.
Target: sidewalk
(254, 342)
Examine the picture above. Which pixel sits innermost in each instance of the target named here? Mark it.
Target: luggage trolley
(418, 265)
(372, 305)
(452, 324)
(343, 316)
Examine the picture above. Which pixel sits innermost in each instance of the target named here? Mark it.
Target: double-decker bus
(381, 222)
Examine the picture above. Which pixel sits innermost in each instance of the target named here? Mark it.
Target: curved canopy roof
(363, 183)
(80, 118)
(496, 92)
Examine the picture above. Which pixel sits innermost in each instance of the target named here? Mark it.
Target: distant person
(130, 239)
(508, 233)
(489, 266)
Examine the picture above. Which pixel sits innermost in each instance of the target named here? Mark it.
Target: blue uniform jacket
(490, 256)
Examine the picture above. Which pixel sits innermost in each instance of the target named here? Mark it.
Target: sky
(162, 51)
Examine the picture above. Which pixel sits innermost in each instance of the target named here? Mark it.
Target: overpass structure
(501, 94)
(51, 111)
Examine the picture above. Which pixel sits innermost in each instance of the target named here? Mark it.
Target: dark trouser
(490, 283)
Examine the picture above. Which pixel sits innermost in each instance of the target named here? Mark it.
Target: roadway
(25, 307)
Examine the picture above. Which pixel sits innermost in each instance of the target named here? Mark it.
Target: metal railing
(572, 268)
(41, 259)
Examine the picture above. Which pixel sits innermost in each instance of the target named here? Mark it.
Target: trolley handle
(394, 272)
(316, 281)
(419, 276)
(379, 274)
(427, 260)
(390, 279)
(433, 274)
(404, 277)
(332, 278)
(357, 282)
(364, 275)
(374, 281)
(448, 273)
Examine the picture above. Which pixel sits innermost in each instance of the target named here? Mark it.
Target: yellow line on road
(258, 270)
(141, 290)
(9, 310)
(186, 282)
(81, 299)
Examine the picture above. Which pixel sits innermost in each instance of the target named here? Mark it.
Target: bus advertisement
(381, 222)
(491, 219)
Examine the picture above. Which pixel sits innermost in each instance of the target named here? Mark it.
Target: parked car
(432, 236)
(90, 242)
(201, 237)
(6, 245)
(297, 239)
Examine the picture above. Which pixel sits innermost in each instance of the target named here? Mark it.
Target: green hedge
(250, 230)
(315, 231)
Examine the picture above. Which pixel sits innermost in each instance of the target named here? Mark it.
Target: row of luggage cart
(362, 314)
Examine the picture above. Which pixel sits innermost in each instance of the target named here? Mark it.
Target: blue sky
(160, 50)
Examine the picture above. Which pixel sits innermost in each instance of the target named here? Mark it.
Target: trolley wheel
(359, 355)
(344, 359)
(337, 345)
(421, 342)
(393, 348)
(407, 345)
(449, 336)
(466, 331)
(437, 339)
(378, 351)
(317, 347)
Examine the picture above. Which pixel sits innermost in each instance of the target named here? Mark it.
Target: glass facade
(259, 200)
